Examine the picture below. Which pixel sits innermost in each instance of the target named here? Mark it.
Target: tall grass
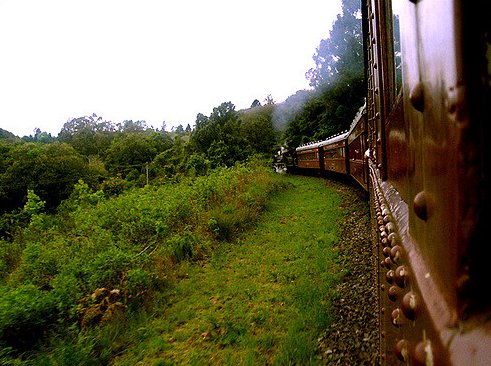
(72, 280)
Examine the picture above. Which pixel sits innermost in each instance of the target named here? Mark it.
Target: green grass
(262, 299)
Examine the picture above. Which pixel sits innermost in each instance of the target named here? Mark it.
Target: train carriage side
(428, 107)
(334, 152)
(357, 147)
(309, 157)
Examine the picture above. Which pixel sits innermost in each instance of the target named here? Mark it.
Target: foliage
(134, 150)
(39, 136)
(25, 314)
(10, 256)
(50, 170)
(255, 103)
(342, 53)
(34, 204)
(228, 136)
(89, 135)
(262, 299)
(4, 134)
(130, 244)
(197, 164)
(258, 129)
(326, 112)
(218, 136)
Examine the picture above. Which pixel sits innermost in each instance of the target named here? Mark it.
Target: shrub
(126, 245)
(110, 268)
(25, 315)
(182, 246)
(40, 264)
(139, 287)
(10, 257)
(67, 290)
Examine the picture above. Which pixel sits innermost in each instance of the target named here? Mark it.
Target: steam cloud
(286, 111)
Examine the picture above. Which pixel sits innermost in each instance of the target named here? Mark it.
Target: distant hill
(4, 134)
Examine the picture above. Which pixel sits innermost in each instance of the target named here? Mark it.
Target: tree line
(115, 157)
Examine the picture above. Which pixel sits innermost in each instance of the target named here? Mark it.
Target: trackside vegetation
(261, 299)
(98, 261)
(235, 267)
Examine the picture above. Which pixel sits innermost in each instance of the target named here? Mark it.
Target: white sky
(151, 60)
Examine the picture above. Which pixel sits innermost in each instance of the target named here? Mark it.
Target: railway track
(352, 338)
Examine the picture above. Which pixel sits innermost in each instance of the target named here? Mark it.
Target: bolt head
(389, 276)
(393, 293)
(396, 254)
(421, 205)
(397, 317)
(410, 305)
(423, 354)
(401, 276)
(402, 350)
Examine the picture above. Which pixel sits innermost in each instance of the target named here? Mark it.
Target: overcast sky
(151, 60)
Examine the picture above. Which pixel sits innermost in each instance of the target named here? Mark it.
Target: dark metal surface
(430, 194)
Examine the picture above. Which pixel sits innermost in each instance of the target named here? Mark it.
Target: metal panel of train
(419, 148)
(428, 113)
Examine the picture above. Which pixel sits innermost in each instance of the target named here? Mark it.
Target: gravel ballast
(352, 338)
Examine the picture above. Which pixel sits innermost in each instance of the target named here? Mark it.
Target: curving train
(418, 146)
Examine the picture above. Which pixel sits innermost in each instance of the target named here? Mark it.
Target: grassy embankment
(179, 274)
(262, 299)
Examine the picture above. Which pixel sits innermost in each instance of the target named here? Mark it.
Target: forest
(94, 222)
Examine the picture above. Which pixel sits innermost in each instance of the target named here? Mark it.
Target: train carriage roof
(336, 138)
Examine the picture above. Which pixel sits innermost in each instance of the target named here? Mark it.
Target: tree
(132, 151)
(255, 103)
(34, 204)
(269, 100)
(258, 131)
(50, 170)
(134, 126)
(4, 134)
(328, 111)
(219, 136)
(39, 136)
(217, 127)
(338, 79)
(342, 52)
(89, 135)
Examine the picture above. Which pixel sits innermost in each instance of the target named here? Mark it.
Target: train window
(330, 153)
(334, 153)
(355, 150)
(307, 156)
(396, 11)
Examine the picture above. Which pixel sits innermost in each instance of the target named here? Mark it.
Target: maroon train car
(428, 113)
(309, 157)
(335, 154)
(357, 149)
(343, 153)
